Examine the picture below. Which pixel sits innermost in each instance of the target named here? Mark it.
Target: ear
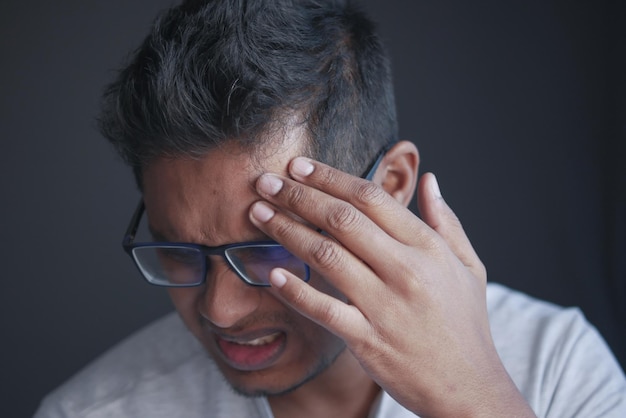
(397, 173)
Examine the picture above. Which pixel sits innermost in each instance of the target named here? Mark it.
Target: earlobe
(397, 173)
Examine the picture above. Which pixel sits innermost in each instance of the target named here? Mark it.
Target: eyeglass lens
(256, 262)
(186, 266)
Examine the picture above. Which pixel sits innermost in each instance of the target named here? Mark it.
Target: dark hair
(232, 70)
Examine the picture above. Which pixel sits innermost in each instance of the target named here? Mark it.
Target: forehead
(206, 199)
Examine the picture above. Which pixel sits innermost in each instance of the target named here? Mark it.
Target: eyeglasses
(174, 264)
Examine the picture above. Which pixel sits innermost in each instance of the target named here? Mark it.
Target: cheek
(185, 301)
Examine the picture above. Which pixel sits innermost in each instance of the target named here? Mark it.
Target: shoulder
(154, 372)
(556, 358)
(513, 314)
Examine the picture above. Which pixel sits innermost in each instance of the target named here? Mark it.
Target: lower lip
(251, 357)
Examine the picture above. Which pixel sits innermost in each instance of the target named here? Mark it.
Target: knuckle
(284, 230)
(411, 274)
(300, 297)
(344, 219)
(370, 194)
(329, 314)
(432, 244)
(326, 176)
(324, 310)
(327, 255)
(372, 347)
(296, 196)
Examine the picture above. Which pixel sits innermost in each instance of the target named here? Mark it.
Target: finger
(438, 215)
(370, 199)
(348, 273)
(340, 219)
(343, 320)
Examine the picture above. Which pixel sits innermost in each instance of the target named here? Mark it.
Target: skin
(417, 318)
(206, 201)
(416, 322)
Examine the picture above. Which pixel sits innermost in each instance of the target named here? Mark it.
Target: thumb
(436, 213)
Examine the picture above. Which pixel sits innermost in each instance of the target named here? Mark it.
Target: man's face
(260, 345)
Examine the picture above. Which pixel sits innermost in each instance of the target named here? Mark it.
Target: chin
(272, 383)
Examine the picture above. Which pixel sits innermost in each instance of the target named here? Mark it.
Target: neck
(344, 389)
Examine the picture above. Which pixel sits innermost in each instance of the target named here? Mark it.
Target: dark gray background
(516, 105)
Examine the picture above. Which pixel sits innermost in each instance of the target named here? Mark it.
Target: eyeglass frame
(129, 245)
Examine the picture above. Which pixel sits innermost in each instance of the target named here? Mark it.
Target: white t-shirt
(557, 360)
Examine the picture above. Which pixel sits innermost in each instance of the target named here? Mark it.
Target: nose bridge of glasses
(226, 298)
(218, 262)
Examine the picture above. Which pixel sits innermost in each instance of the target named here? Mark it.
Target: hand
(416, 318)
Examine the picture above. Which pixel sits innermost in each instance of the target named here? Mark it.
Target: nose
(227, 299)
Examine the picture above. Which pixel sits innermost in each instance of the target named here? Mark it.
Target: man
(263, 138)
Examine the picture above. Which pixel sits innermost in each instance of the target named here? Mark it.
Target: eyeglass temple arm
(129, 236)
(369, 174)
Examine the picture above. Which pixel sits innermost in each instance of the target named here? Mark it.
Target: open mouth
(252, 354)
(262, 340)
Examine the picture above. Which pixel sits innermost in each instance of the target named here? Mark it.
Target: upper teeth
(261, 340)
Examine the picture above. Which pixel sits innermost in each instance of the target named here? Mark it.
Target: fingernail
(270, 184)
(262, 212)
(301, 167)
(435, 187)
(277, 279)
